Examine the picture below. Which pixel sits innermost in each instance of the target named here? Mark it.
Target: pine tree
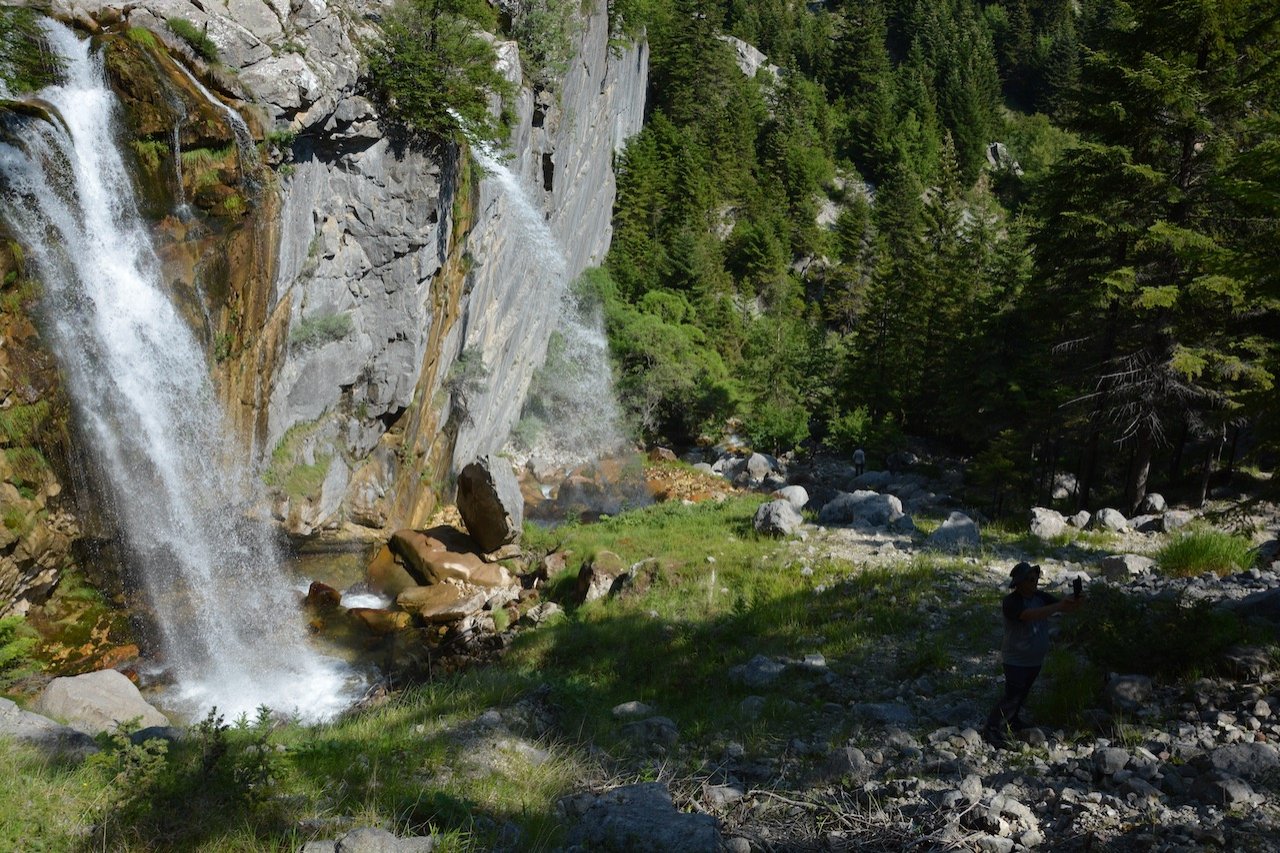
(1145, 241)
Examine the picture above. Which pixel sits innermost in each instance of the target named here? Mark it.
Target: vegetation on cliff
(434, 74)
(26, 64)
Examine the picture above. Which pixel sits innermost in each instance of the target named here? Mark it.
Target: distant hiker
(859, 462)
(1026, 642)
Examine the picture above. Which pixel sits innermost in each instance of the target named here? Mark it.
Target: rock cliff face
(563, 145)
(366, 309)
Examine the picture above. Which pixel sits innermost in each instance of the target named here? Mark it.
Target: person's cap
(1021, 572)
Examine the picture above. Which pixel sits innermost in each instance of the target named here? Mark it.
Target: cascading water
(197, 539)
(571, 415)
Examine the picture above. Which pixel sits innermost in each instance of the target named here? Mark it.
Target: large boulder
(1047, 524)
(1152, 504)
(441, 602)
(490, 502)
(1174, 519)
(1123, 567)
(1109, 519)
(97, 702)
(760, 466)
(641, 818)
(959, 532)
(872, 480)
(386, 575)
(797, 496)
(443, 554)
(1252, 761)
(861, 508)
(777, 518)
(56, 740)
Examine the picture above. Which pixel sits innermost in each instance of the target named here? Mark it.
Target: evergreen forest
(1042, 235)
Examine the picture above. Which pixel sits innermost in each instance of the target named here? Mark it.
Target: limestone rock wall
(339, 281)
(563, 147)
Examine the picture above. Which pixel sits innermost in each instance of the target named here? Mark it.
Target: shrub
(197, 38)
(320, 329)
(16, 643)
(26, 63)
(545, 32)
(778, 428)
(1071, 684)
(1203, 550)
(180, 792)
(851, 430)
(1116, 630)
(433, 74)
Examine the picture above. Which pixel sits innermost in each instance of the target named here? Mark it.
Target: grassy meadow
(429, 759)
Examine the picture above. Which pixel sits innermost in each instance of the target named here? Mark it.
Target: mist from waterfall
(198, 538)
(570, 413)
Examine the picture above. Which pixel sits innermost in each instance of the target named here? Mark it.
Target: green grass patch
(18, 424)
(142, 36)
(1201, 550)
(304, 481)
(195, 37)
(17, 641)
(320, 329)
(151, 152)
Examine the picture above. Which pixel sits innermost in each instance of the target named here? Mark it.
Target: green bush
(16, 643)
(1195, 552)
(181, 792)
(197, 38)
(433, 74)
(546, 31)
(1116, 632)
(778, 427)
(26, 63)
(850, 430)
(320, 329)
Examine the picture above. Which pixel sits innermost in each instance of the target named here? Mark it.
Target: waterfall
(197, 537)
(571, 414)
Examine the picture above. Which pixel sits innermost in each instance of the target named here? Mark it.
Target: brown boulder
(438, 554)
(490, 502)
(321, 596)
(598, 576)
(440, 602)
(380, 622)
(386, 575)
(491, 575)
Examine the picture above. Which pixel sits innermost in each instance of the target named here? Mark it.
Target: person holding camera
(1026, 642)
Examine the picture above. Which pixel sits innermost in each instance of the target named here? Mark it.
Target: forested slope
(840, 253)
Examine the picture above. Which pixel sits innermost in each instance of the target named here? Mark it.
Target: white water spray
(572, 410)
(197, 538)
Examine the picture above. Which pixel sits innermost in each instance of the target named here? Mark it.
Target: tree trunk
(1231, 457)
(1175, 467)
(1139, 470)
(1214, 449)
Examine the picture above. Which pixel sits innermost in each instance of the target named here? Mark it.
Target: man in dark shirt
(1026, 642)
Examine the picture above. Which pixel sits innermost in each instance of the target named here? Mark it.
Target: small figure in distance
(1026, 642)
(859, 462)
